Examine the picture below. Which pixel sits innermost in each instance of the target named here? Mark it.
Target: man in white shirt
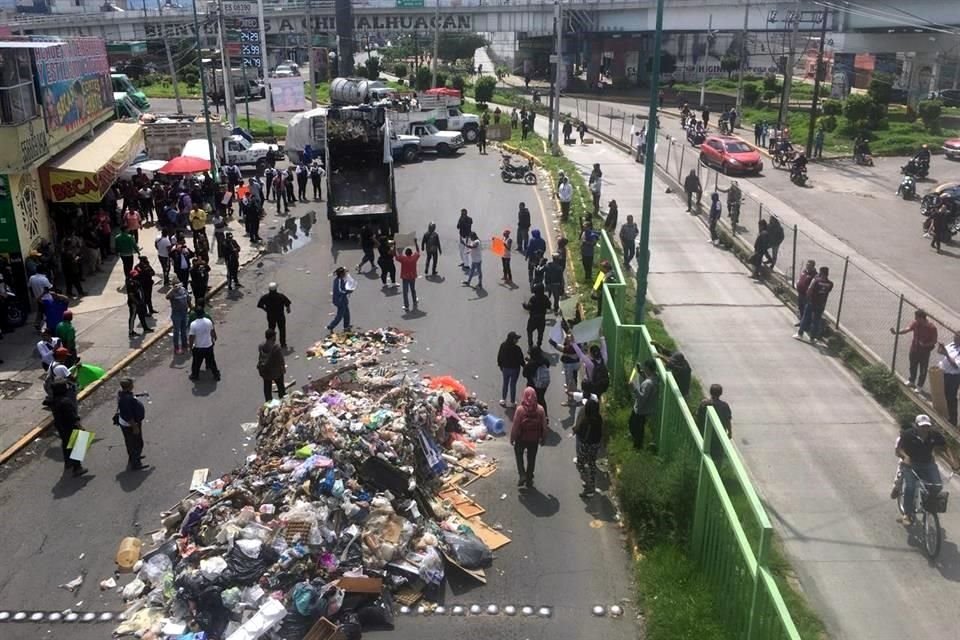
(46, 347)
(58, 371)
(39, 284)
(565, 195)
(202, 336)
(164, 243)
(476, 259)
(950, 363)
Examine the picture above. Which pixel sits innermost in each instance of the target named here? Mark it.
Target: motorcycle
(908, 188)
(695, 138)
(863, 159)
(510, 172)
(916, 168)
(724, 126)
(798, 176)
(783, 157)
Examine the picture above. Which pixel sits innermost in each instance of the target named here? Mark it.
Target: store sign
(74, 83)
(239, 8)
(409, 4)
(30, 142)
(9, 243)
(91, 186)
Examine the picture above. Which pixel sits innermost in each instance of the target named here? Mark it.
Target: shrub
(881, 88)
(483, 89)
(360, 72)
(930, 112)
(858, 107)
(769, 95)
(829, 123)
(656, 496)
(881, 384)
(458, 83)
(400, 70)
(770, 83)
(373, 67)
(441, 79)
(424, 78)
(911, 114)
(751, 93)
(832, 107)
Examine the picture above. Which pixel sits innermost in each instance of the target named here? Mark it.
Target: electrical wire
(867, 12)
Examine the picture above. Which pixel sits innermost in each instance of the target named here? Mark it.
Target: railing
(731, 533)
(860, 305)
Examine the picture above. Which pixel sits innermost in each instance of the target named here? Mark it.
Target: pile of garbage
(359, 345)
(350, 506)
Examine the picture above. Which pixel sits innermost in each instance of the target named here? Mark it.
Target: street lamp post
(203, 94)
(643, 266)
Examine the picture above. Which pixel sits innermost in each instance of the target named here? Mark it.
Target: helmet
(272, 286)
(923, 420)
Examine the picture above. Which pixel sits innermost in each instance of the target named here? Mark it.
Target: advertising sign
(287, 94)
(74, 83)
(87, 174)
(9, 243)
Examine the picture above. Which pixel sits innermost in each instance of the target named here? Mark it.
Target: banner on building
(74, 83)
(9, 242)
(287, 93)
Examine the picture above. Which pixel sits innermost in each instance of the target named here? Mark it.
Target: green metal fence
(731, 532)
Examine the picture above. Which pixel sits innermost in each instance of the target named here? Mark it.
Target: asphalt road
(565, 554)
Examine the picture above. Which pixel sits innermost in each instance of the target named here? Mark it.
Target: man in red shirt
(408, 274)
(817, 294)
(924, 340)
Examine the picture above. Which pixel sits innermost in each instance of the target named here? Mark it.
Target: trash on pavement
(74, 584)
(349, 499)
(359, 345)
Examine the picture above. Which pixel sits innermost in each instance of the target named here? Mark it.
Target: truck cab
(241, 150)
(432, 139)
(122, 84)
(404, 147)
(456, 120)
(124, 107)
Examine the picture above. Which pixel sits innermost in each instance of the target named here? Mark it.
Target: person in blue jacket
(535, 250)
(341, 300)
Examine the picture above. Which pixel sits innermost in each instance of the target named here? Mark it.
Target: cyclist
(915, 448)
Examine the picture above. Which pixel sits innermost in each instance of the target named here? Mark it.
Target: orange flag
(498, 247)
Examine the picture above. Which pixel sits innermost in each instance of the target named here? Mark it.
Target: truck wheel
(470, 134)
(410, 154)
(443, 149)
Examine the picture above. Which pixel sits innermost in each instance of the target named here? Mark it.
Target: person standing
(613, 215)
(280, 191)
(145, 275)
(523, 227)
(534, 251)
(198, 221)
(536, 371)
(818, 142)
(276, 305)
(464, 228)
(817, 295)
(39, 284)
(131, 222)
(271, 365)
(66, 418)
(268, 175)
(179, 308)
(803, 285)
(72, 272)
(199, 280)
(588, 243)
(482, 137)
(46, 347)
(67, 334)
(507, 255)
(758, 134)
(164, 243)
(553, 281)
(510, 361)
(528, 433)
(341, 300)
(129, 417)
(775, 239)
(180, 257)
(302, 174)
(582, 130)
(938, 227)
(136, 305)
(588, 430)
(219, 233)
(691, 185)
(125, 246)
(720, 406)
(596, 185)
(388, 269)
(202, 336)
(316, 179)
(565, 196)
(475, 253)
(431, 244)
(921, 346)
(628, 240)
(408, 274)
(368, 242)
(716, 210)
(705, 114)
(644, 389)
(231, 251)
(537, 306)
(760, 246)
(950, 364)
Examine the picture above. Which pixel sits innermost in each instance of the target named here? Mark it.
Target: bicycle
(930, 501)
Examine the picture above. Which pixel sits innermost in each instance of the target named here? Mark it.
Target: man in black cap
(129, 417)
(277, 306)
(231, 256)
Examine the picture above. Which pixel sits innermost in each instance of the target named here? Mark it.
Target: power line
(866, 12)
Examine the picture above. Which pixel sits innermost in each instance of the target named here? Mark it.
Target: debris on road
(73, 585)
(351, 502)
(359, 345)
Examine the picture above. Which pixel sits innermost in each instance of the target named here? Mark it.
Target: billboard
(9, 241)
(73, 79)
(287, 94)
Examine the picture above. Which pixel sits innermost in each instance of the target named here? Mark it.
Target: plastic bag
(152, 570)
(211, 568)
(469, 551)
(431, 567)
(250, 548)
(230, 597)
(306, 600)
(133, 589)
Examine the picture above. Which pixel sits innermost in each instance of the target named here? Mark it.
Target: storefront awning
(86, 171)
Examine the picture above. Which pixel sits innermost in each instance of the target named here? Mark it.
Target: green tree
(729, 63)
(832, 107)
(858, 107)
(453, 46)
(424, 78)
(483, 89)
(400, 70)
(441, 79)
(373, 67)
(458, 83)
(881, 88)
(930, 112)
(751, 93)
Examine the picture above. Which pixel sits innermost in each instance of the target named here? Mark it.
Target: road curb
(124, 362)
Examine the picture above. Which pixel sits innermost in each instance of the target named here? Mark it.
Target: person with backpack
(537, 306)
(431, 246)
(775, 239)
(510, 362)
(534, 251)
(537, 373)
(588, 430)
(527, 435)
(644, 388)
(596, 375)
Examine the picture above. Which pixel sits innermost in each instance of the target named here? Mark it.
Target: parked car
(730, 155)
(951, 148)
(949, 97)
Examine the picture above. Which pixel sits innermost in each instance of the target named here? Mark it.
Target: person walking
(629, 232)
(818, 142)
(523, 227)
(67, 334)
(66, 418)
(199, 280)
(341, 300)
(431, 245)
(534, 251)
(368, 243)
(950, 364)
(277, 306)
(202, 336)
(219, 233)
(408, 274)
(705, 115)
(817, 295)
(39, 285)
(553, 281)
(198, 221)
(271, 365)
(163, 244)
(760, 246)
(475, 252)
(510, 362)
(180, 257)
(758, 134)
(129, 417)
(536, 371)
(588, 244)
(588, 430)
(921, 346)
(567, 131)
(803, 285)
(388, 268)
(775, 239)
(482, 137)
(716, 210)
(231, 250)
(565, 196)
(132, 222)
(464, 228)
(145, 275)
(527, 434)
(644, 389)
(179, 308)
(316, 179)
(691, 185)
(720, 406)
(537, 306)
(136, 305)
(938, 227)
(582, 130)
(125, 246)
(505, 258)
(596, 185)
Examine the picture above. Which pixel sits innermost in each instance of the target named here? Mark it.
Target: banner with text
(287, 94)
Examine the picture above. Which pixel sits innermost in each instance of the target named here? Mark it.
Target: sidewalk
(819, 449)
(101, 321)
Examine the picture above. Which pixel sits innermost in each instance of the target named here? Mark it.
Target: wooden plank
(490, 536)
(477, 574)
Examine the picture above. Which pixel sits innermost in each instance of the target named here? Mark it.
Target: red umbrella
(183, 165)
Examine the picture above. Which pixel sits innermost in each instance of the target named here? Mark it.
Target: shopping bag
(80, 441)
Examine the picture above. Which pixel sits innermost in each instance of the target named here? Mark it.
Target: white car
(286, 71)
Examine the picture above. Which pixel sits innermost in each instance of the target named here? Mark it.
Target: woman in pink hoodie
(529, 431)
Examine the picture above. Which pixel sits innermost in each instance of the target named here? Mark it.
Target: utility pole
(784, 115)
(743, 57)
(344, 15)
(231, 104)
(312, 84)
(558, 76)
(436, 44)
(203, 95)
(706, 55)
(643, 266)
(265, 66)
(173, 69)
(246, 88)
(816, 82)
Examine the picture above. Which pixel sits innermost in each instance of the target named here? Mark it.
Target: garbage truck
(360, 181)
(309, 129)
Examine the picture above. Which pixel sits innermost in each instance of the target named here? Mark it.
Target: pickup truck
(165, 138)
(432, 139)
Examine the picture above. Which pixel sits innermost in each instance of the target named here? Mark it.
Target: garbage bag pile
(334, 516)
(359, 345)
